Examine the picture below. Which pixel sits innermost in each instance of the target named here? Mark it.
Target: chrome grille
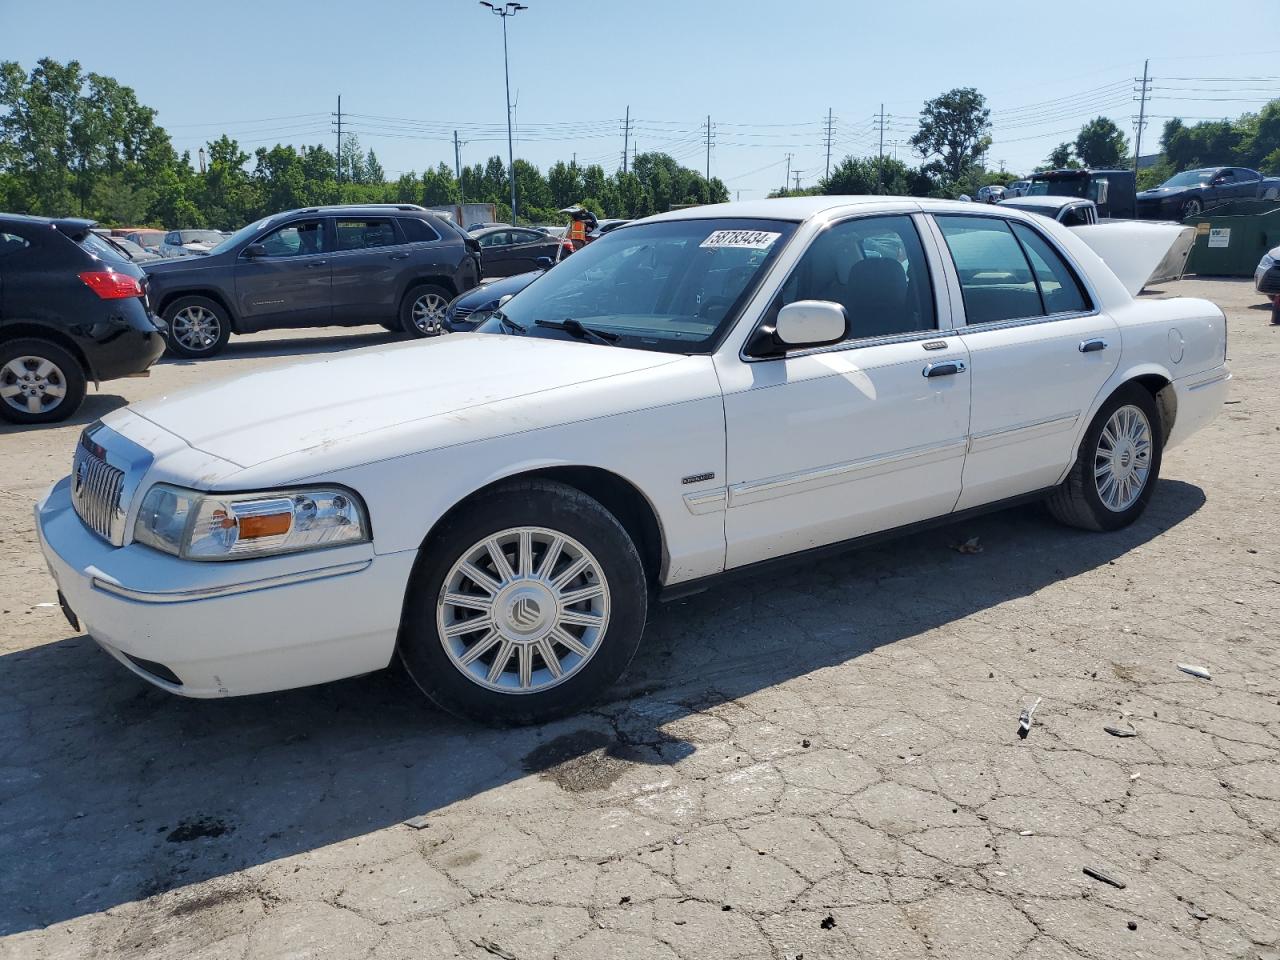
(95, 490)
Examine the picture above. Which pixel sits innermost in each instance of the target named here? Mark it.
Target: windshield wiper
(508, 322)
(576, 329)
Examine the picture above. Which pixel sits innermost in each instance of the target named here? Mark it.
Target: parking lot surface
(822, 763)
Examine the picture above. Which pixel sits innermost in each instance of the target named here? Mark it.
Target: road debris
(1024, 721)
(1126, 731)
(828, 922)
(1132, 924)
(1105, 878)
(972, 545)
(490, 947)
(418, 823)
(1195, 671)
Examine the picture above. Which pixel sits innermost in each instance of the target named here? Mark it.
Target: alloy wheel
(523, 610)
(428, 313)
(32, 385)
(1122, 461)
(195, 327)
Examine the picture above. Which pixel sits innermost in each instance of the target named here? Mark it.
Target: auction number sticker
(742, 239)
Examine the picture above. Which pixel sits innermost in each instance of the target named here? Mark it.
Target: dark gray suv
(398, 266)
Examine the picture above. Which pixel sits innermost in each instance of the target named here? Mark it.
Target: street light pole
(504, 11)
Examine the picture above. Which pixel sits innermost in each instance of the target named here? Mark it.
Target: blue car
(472, 308)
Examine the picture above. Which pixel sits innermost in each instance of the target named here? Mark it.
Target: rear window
(11, 243)
(418, 231)
(101, 249)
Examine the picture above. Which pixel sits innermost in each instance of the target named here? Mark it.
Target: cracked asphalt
(821, 764)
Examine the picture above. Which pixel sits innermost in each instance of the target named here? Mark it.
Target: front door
(526, 247)
(367, 261)
(289, 285)
(1040, 352)
(497, 252)
(833, 443)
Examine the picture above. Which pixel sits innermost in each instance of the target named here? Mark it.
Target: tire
(1192, 207)
(1089, 501)
(422, 310)
(40, 382)
(196, 327)
(603, 633)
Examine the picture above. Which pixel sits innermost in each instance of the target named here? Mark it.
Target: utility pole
(507, 10)
(339, 154)
(708, 148)
(796, 174)
(787, 178)
(457, 167)
(830, 132)
(626, 137)
(1142, 114)
(880, 162)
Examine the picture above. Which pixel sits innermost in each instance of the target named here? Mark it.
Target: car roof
(68, 225)
(503, 226)
(799, 209)
(1048, 202)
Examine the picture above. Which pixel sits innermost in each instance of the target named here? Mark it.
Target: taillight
(110, 285)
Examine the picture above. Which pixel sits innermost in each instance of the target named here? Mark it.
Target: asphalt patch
(582, 761)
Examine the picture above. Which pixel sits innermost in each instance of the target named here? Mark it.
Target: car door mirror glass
(544, 263)
(811, 323)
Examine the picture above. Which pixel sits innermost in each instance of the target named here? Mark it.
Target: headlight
(213, 526)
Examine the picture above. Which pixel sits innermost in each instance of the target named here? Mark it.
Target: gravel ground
(821, 764)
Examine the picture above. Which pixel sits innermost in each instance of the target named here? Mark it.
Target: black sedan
(476, 306)
(1191, 192)
(507, 251)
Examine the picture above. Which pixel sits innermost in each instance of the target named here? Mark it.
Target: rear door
(1039, 348)
(369, 255)
(526, 247)
(497, 253)
(290, 285)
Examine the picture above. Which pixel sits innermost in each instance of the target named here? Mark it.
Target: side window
(875, 267)
(417, 231)
(499, 238)
(995, 279)
(173, 239)
(296, 239)
(365, 234)
(1059, 288)
(11, 243)
(1227, 176)
(526, 236)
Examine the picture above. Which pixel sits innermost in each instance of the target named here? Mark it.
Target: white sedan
(693, 395)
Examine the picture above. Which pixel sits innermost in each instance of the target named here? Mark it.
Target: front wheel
(1117, 467)
(526, 605)
(1192, 207)
(198, 327)
(422, 310)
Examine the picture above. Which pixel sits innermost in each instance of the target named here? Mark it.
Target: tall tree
(1062, 157)
(954, 128)
(1101, 144)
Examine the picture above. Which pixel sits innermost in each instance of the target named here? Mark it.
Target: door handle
(399, 256)
(1092, 346)
(947, 368)
(318, 263)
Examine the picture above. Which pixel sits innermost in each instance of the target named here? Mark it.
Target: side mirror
(544, 263)
(255, 250)
(811, 323)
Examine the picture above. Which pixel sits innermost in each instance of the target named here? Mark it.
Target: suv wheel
(198, 327)
(40, 382)
(422, 311)
(526, 605)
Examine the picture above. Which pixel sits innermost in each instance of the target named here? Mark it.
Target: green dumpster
(1232, 237)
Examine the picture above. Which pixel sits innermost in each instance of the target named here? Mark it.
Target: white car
(183, 243)
(692, 395)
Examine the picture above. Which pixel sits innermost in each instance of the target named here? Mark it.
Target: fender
(1123, 374)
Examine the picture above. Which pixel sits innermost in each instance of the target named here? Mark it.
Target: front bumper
(230, 628)
(1267, 281)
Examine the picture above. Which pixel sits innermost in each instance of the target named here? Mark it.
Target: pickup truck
(1111, 190)
(1191, 192)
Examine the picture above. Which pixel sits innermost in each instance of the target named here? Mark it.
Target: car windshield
(244, 233)
(1060, 187)
(672, 286)
(200, 236)
(1188, 178)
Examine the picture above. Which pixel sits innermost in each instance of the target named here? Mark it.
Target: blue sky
(410, 72)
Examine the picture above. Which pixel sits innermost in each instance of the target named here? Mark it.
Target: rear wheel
(40, 382)
(422, 310)
(198, 327)
(1117, 467)
(525, 606)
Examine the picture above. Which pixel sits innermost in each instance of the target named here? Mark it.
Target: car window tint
(995, 278)
(101, 248)
(295, 240)
(365, 234)
(875, 267)
(11, 243)
(498, 238)
(526, 236)
(1059, 287)
(418, 231)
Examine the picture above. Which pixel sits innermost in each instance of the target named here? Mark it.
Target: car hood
(163, 266)
(1159, 193)
(490, 293)
(350, 398)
